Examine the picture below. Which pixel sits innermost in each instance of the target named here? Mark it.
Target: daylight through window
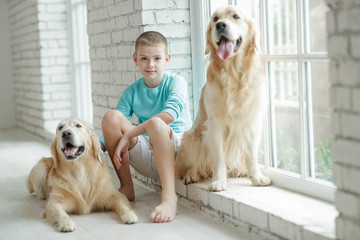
(296, 148)
(79, 49)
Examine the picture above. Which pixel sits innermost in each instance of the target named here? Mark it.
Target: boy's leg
(164, 156)
(114, 125)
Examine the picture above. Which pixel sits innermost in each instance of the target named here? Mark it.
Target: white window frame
(82, 106)
(200, 15)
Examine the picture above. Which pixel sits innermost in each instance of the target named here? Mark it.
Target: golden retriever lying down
(225, 138)
(76, 180)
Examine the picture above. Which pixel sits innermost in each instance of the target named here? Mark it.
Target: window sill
(261, 212)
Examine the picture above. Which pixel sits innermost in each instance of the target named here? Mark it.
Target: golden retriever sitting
(225, 138)
(76, 180)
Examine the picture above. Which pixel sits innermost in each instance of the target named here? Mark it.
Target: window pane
(282, 26)
(284, 78)
(82, 104)
(79, 21)
(321, 120)
(215, 4)
(317, 25)
(251, 8)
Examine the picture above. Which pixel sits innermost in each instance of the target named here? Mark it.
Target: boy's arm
(178, 97)
(124, 107)
(141, 129)
(123, 145)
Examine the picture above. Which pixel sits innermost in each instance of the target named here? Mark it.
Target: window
(80, 63)
(296, 150)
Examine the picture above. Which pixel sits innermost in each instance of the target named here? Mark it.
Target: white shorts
(142, 156)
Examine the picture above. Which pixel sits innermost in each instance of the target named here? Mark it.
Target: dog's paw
(260, 180)
(129, 218)
(217, 186)
(187, 180)
(66, 225)
(41, 195)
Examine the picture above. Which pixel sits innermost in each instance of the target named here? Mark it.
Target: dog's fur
(225, 138)
(76, 180)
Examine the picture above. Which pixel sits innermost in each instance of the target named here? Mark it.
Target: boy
(158, 100)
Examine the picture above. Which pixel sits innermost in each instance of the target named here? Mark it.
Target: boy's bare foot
(166, 211)
(128, 192)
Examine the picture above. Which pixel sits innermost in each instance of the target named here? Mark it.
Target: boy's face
(151, 61)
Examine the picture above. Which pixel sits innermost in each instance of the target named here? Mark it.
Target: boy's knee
(156, 125)
(112, 117)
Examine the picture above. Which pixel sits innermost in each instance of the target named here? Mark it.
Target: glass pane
(75, 30)
(81, 62)
(251, 8)
(282, 27)
(284, 79)
(318, 35)
(81, 45)
(215, 4)
(321, 120)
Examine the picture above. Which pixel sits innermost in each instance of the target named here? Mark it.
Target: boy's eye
(143, 58)
(157, 59)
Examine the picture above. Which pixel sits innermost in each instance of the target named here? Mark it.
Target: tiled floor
(20, 212)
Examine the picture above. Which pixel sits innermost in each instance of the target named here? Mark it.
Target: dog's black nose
(221, 26)
(66, 133)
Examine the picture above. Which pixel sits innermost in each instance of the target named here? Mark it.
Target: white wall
(7, 112)
(344, 51)
(40, 59)
(113, 27)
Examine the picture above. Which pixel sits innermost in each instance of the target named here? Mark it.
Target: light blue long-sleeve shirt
(170, 96)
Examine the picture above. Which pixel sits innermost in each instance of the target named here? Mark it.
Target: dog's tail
(37, 180)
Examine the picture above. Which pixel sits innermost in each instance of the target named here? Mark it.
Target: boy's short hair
(151, 38)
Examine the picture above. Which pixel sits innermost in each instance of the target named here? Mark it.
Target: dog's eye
(78, 125)
(236, 16)
(216, 19)
(60, 127)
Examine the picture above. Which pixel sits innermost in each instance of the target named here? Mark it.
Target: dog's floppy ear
(254, 35)
(96, 146)
(54, 151)
(208, 39)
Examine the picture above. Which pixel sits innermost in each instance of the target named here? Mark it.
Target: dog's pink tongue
(225, 49)
(70, 151)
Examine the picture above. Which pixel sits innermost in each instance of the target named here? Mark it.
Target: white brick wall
(42, 86)
(343, 46)
(39, 49)
(7, 106)
(113, 27)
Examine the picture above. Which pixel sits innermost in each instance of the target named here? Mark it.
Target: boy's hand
(121, 150)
